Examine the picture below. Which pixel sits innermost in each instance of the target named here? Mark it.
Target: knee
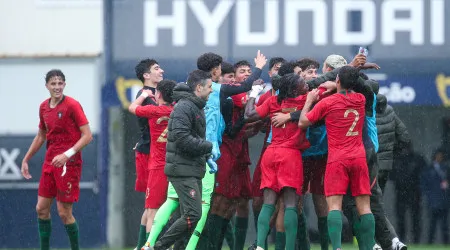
(43, 211)
(65, 215)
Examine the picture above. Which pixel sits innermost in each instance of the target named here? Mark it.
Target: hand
(256, 89)
(370, 66)
(25, 173)
(59, 160)
(149, 92)
(279, 119)
(212, 166)
(215, 154)
(330, 86)
(260, 60)
(258, 82)
(358, 60)
(313, 96)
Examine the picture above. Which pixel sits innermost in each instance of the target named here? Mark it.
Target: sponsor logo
(396, 93)
(443, 88)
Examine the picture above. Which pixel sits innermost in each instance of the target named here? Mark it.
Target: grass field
(314, 247)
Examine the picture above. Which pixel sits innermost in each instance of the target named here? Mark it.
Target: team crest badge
(192, 193)
(59, 115)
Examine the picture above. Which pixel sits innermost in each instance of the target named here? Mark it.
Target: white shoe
(259, 248)
(377, 247)
(399, 246)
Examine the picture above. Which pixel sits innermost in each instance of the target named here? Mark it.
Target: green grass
(314, 247)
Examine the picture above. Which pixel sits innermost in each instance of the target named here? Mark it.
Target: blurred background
(97, 44)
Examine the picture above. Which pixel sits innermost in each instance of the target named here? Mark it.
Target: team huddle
(193, 154)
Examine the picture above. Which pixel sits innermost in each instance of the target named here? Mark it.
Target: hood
(182, 91)
(381, 103)
(374, 85)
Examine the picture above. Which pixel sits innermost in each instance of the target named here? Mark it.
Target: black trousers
(189, 191)
(438, 215)
(403, 204)
(384, 231)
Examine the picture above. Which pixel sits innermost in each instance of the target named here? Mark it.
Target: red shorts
(256, 181)
(314, 174)
(282, 167)
(141, 171)
(232, 178)
(65, 188)
(340, 174)
(156, 193)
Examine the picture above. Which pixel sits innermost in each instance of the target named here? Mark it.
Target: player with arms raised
(63, 124)
(346, 165)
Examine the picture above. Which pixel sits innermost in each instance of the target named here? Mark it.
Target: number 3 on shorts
(350, 131)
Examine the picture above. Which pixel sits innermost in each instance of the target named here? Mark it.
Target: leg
(141, 162)
(65, 213)
(432, 228)
(241, 223)
(335, 220)
(199, 228)
(302, 228)
(142, 230)
(267, 210)
(44, 222)
(291, 200)
(189, 193)
(383, 177)
(400, 212)
(416, 217)
(321, 208)
(280, 236)
(161, 218)
(444, 226)
(367, 221)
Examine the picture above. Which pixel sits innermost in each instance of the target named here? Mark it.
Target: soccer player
(150, 74)
(344, 115)
(63, 124)
(280, 174)
(158, 117)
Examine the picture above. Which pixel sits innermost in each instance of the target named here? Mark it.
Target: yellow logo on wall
(442, 84)
(122, 86)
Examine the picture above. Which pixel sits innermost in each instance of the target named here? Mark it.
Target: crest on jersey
(192, 193)
(59, 114)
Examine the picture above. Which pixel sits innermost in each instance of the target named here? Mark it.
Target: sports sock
(141, 238)
(367, 231)
(291, 225)
(264, 223)
(45, 230)
(302, 233)
(280, 241)
(323, 233)
(72, 231)
(229, 236)
(334, 221)
(240, 232)
(198, 229)
(161, 218)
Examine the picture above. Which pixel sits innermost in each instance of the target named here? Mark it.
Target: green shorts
(207, 188)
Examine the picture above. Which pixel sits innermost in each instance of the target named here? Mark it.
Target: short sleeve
(145, 111)
(41, 120)
(78, 115)
(264, 109)
(318, 112)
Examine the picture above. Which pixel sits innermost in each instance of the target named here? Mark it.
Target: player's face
(309, 74)
(274, 70)
(204, 91)
(228, 78)
(155, 74)
(242, 73)
(56, 86)
(298, 71)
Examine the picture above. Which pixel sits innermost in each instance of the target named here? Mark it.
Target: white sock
(395, 241)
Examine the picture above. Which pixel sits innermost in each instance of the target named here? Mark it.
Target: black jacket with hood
(391, 131)
(187, 149)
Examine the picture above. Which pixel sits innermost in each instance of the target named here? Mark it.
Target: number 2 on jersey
(350, 131)
(163, 136)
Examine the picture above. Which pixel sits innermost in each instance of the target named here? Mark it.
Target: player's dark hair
(306, 63)
(208, 61)
(54, 72)
(289, 86)
(197, 77)
(363, 76)
(241, 63)
(165, 87)
(227, 68)
(275, 60)
(286, 68)
(348, 77)
(144, 67)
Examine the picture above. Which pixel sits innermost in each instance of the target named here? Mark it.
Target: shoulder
(44, 104)
(71, 101)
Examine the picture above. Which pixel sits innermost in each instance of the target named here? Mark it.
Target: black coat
(187, 148)
(391, 131)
